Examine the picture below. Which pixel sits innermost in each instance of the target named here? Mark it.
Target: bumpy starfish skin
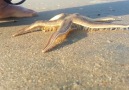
(62, 24)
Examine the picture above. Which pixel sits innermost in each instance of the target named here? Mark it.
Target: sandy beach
(97, 60)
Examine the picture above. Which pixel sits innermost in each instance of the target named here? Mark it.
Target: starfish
(63, 24)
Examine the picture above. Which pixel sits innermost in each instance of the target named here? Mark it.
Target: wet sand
(85, 61)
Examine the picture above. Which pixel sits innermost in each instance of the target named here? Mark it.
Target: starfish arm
(102, 20)
(59, 16)
(38, 24)
(64, 29)
(108, 20)
(83, 21)
(25, 30)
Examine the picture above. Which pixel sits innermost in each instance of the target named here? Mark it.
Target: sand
(85, 61)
